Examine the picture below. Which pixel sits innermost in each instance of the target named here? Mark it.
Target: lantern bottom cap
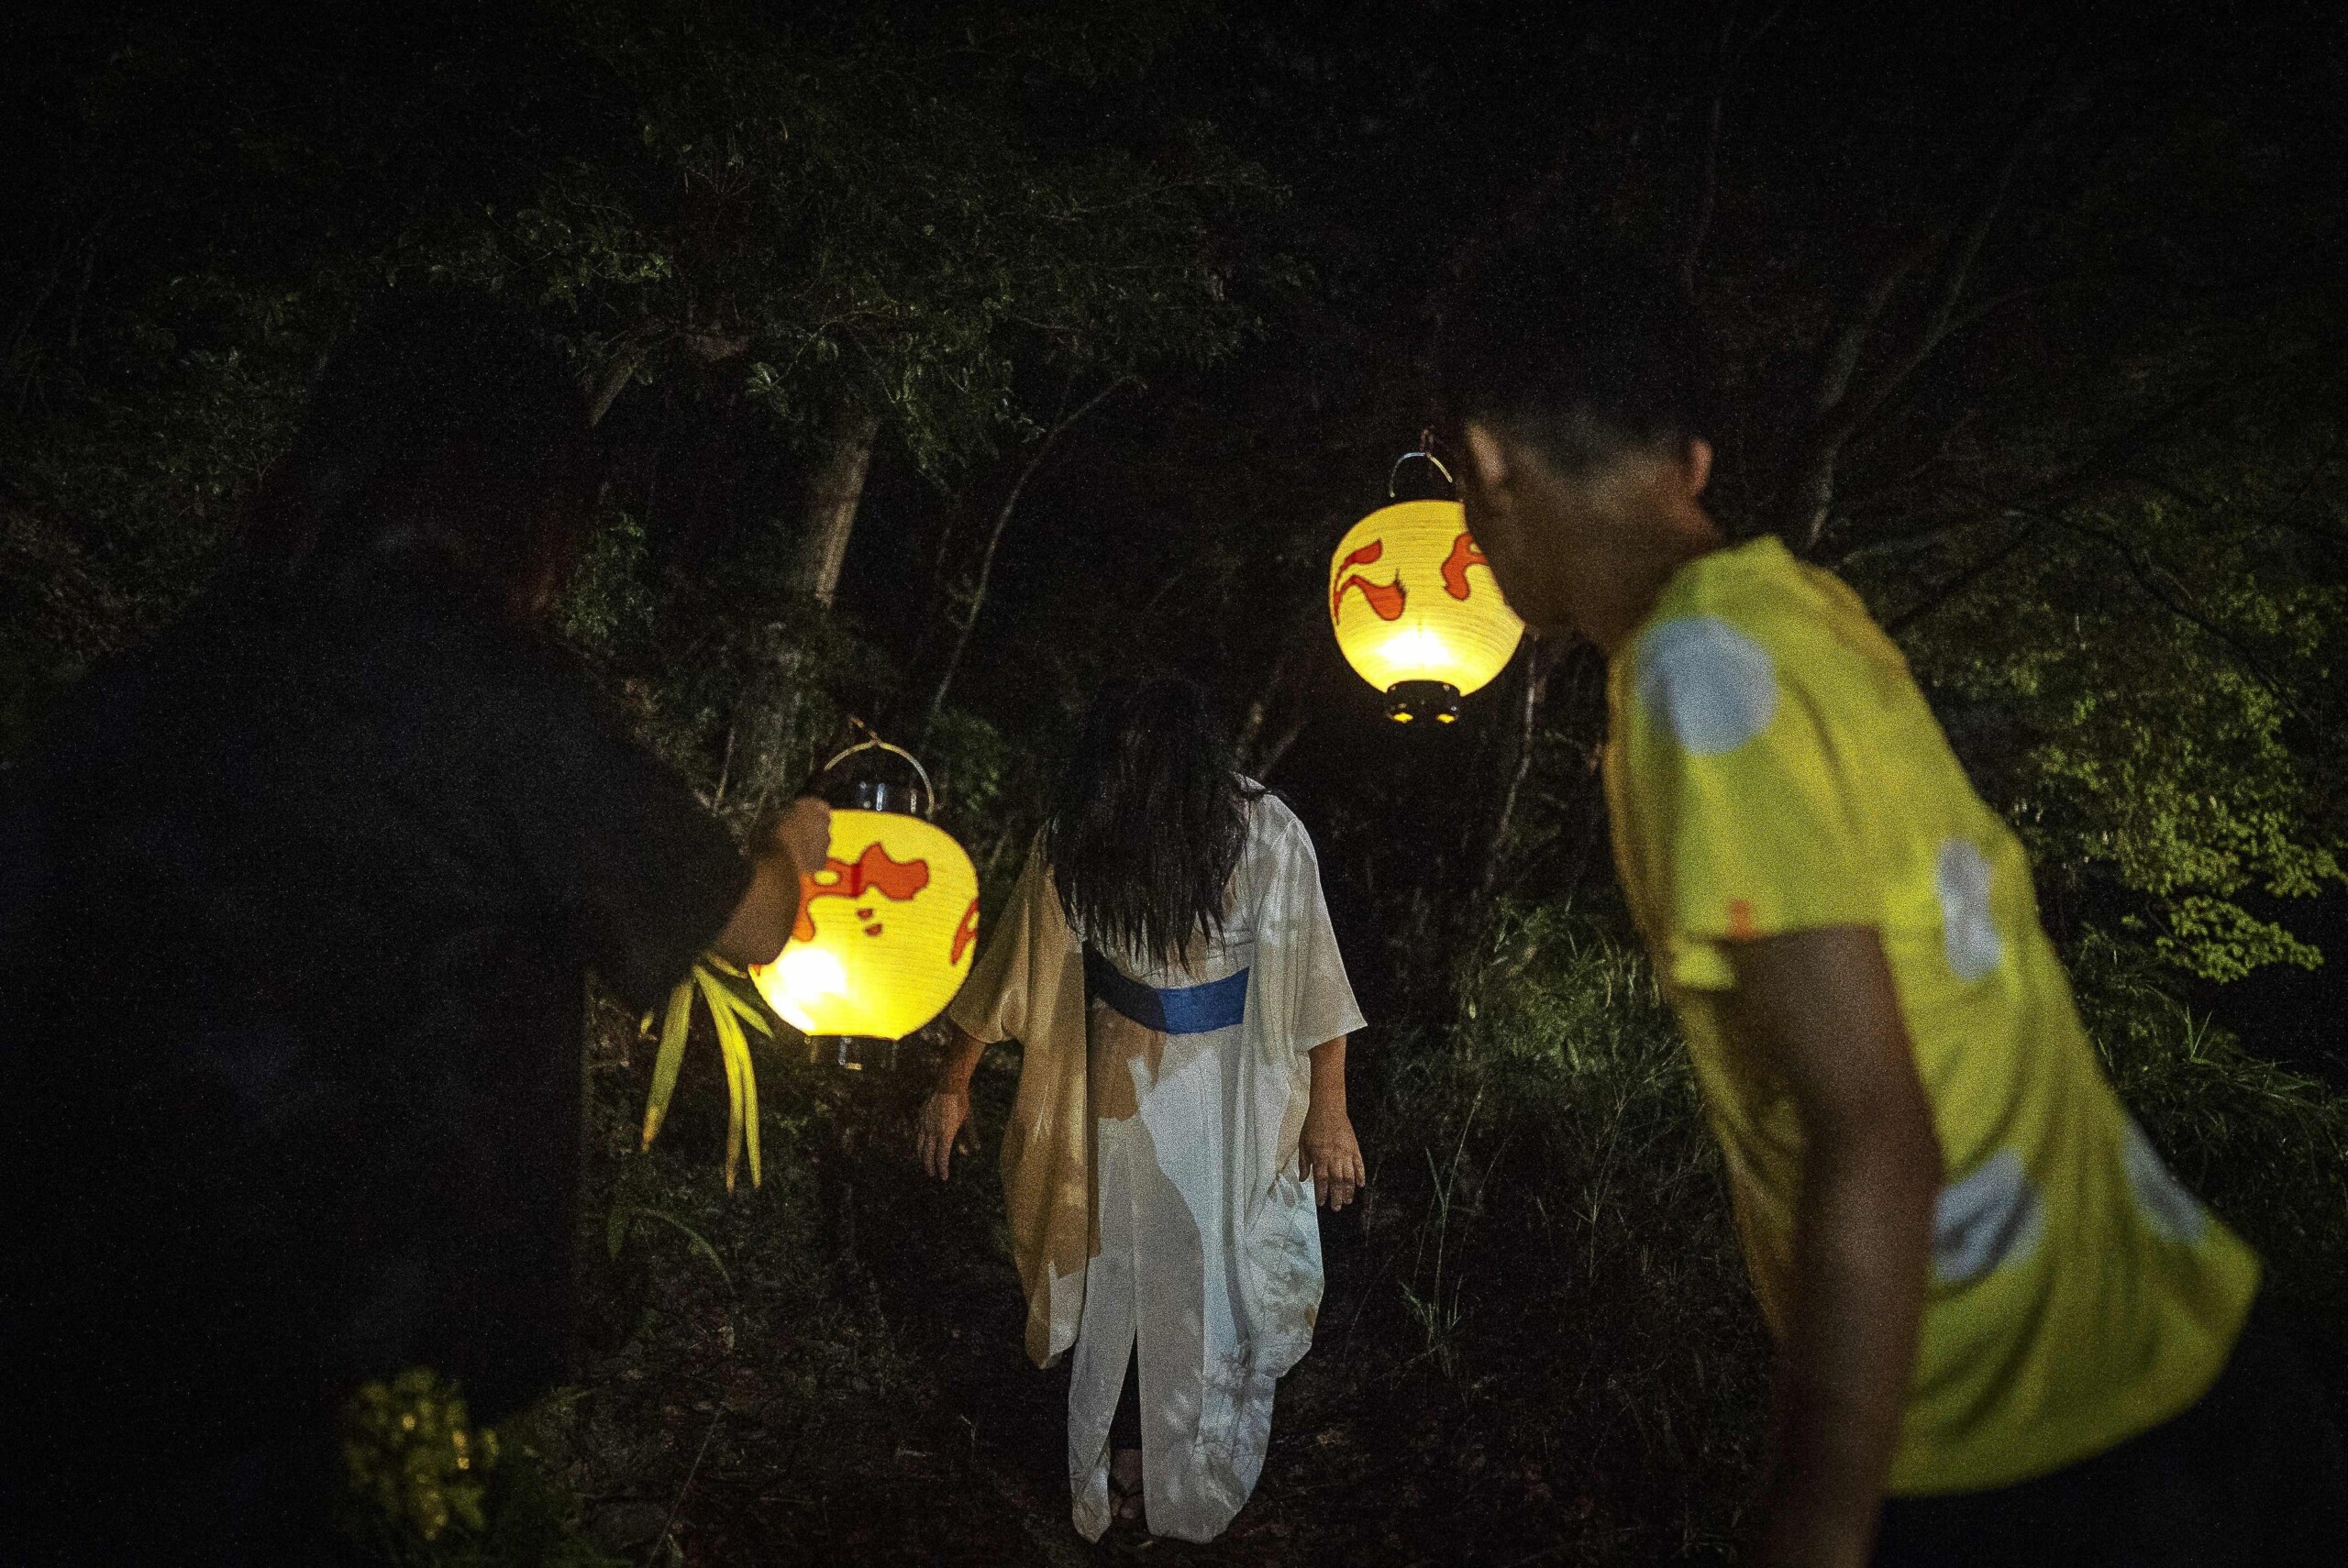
(855, 1053)
(1411, 702)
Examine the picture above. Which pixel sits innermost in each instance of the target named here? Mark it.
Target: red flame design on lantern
(873, 870)
(965, 933)
(1385, 599)
(1463, 554)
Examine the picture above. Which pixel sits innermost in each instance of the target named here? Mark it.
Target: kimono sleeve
(1294, 917)
(1746, 773)
(997, 1001)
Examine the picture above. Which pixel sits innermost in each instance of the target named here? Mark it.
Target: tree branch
(1947, 592)
(1707, 181)
(1272, 754)
(963, 624)
(1843, 410)
(628, 352)
(2046, 499)
(1809, 487)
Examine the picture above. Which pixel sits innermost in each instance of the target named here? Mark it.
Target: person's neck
(1621, 580)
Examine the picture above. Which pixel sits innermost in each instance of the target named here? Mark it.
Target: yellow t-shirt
(1772, 768)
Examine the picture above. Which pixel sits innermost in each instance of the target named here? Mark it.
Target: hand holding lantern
(887, 922)
(886, 927)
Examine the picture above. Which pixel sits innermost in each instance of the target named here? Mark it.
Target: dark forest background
(954, 356)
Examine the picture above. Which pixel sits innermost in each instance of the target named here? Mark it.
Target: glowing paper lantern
(886, 931)
(1416, 611)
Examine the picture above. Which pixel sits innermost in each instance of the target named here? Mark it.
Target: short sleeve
(1740, 762)
(641, 876)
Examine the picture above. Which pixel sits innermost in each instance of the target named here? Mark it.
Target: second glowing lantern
(1416, 611)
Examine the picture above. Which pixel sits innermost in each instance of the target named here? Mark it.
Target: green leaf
(671, 1058)
(624, 1217)
(756, 1017)
(741, 1090)
(750, 1079)
(743, 999)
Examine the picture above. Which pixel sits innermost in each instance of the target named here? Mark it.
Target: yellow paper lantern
(1416, 611)
(886, 931)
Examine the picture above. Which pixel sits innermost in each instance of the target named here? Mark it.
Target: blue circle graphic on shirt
(1968, 935)
(1713, 685)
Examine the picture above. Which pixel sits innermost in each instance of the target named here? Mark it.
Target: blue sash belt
(1182, 1010)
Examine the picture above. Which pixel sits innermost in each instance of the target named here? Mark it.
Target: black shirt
(295, 910)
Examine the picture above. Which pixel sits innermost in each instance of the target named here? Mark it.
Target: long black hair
(1149, 821)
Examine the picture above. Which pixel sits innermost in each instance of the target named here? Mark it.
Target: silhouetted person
(1991, 1300)
(296, 912)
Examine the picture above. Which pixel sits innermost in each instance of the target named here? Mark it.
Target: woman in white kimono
(1167, 966)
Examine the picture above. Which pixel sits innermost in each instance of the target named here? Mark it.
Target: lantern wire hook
(1425, 449)
(930, 790)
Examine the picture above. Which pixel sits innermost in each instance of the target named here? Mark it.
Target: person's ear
(1487, 458)
(1699, 466)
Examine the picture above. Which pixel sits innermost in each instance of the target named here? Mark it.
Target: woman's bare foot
(1125, 1485)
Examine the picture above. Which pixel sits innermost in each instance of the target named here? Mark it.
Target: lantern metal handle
(930, 790)
(1395, 472)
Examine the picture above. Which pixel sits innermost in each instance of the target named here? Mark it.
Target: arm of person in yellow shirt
(1819, 1008)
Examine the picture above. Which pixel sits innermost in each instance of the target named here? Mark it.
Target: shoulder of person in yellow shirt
(1755, 703)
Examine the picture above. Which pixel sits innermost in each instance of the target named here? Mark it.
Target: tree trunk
(832, 493)
(1540, 659)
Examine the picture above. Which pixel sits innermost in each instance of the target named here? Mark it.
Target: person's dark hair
(1149, 820)
(1583, 353)
(445, 434)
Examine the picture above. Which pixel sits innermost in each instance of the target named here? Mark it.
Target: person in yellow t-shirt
(1993, 1303)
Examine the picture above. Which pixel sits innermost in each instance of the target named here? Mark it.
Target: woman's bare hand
(945, 1127)
(1329, 1154)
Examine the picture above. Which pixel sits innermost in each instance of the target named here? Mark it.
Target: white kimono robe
(1149, 1170)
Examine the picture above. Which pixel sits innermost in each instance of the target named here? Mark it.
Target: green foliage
(427, 1490)
(858, 212)
(608, 604)
(813, 215)
(1569, 1265)
(735, 679)
(410, 1453)
(992, 795)
(2143, 689)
